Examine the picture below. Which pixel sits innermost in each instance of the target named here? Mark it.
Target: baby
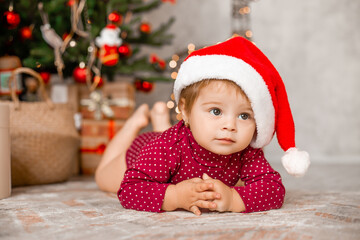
(232, 101)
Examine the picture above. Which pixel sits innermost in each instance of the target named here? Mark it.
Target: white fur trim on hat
(296, 162)
(198, 68)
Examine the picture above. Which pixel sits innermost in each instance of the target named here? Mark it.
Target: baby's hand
(225, 202)
(195, 193)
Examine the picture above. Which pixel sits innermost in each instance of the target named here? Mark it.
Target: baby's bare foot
(160, 117)
(140, 118)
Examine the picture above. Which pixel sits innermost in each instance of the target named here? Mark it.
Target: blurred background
(314, 44)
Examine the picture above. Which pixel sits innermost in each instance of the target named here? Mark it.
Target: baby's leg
(160, 117)
(112, 166)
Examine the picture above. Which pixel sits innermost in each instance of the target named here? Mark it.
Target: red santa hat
(240, 61)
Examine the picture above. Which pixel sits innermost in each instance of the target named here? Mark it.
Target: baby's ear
(181, 106)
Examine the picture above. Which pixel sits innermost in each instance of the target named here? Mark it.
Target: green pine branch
(35, 52)
(158, 37)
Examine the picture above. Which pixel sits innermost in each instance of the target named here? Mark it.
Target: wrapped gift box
(119, 96)
(95, 135)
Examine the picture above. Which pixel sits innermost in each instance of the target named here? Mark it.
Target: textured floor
(324, 205)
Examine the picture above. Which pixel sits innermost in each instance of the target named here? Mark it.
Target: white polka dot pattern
(154, 161)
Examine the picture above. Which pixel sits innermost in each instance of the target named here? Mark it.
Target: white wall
(315, 45)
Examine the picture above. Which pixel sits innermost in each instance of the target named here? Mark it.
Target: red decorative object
(170, 1)
(11, 19)
(158, 62)
(45, 76)
(108, 42)
(147, 86)
(125, 50)
(79, 75)
(115, 17)
(99, 81)
(70, 3)
(145, 28)
(26, 33)
(109, 55)
(65, 35)
(143, 86)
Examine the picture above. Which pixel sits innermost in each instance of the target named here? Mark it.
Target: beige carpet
(319, 206)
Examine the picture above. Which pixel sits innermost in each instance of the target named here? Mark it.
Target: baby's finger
(196, 180)
(209, 195)
(195, 210)
(205, 204)
(200, 187)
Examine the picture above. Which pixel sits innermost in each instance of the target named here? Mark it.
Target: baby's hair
(191, 92)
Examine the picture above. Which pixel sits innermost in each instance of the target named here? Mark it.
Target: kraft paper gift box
(119, 96)
(95, 135)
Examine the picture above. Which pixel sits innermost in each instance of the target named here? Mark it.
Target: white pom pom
(296, 162)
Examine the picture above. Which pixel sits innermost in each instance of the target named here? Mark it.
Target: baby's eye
(244, 116)
(215, 112)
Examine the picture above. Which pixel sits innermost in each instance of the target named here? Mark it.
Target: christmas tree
(60, 36)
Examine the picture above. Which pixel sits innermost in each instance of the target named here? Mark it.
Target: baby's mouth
(225, 140)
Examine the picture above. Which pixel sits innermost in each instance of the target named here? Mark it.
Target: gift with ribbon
(95, 135)
(116, 100)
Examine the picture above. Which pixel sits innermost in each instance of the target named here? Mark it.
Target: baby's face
(221, 119)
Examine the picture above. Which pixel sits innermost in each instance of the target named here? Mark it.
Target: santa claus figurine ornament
(108, 42)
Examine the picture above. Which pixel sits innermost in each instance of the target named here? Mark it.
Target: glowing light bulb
(170, 104)
(172, 64)
(173, 75)
(72, 43)
(175, 57)
(179, 117)
(248, 33)
(191, 47)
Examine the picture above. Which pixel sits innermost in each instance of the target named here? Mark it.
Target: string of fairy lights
(240, 24)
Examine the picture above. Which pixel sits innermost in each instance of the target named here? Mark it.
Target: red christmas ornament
(108, 42)
(45, 76)
(79, 75)
(162, 64)
(147, 86)
(138, 84)
(145, 28)
(70, 3)
(99, 81)
(11, 19)
(64, 36)
(143, 86)
(26, 33)
(158, 62)
(125, 50)
(170, 1)
(115, 17)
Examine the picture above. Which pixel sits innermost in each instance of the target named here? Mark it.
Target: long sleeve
(263, 188)
(145, 183)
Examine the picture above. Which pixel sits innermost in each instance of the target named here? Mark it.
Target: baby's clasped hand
(191, 195)
(229, 201)
(207, 193)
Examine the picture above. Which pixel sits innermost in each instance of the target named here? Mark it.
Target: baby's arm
(190, 195)
(146, 184)
(263, 189)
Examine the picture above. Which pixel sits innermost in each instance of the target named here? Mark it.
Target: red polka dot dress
(157, 160)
